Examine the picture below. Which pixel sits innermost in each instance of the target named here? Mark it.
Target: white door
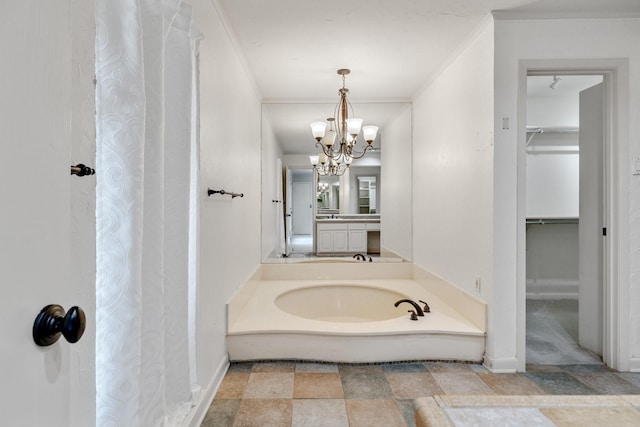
(591, 240)
(302, 207)
(287, 212)
(37, 193)
(281, 244)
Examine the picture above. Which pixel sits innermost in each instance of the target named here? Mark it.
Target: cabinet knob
(52, 322)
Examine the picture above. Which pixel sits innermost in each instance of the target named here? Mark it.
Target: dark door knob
(52, 322)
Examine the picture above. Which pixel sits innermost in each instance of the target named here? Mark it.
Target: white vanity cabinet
(357, 237)
(332, 238)
(340, 236)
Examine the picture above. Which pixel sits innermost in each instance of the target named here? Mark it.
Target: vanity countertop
(349, 219)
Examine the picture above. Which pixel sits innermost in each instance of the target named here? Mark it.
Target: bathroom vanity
(347, 234)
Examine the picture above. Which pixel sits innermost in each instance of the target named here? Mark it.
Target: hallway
(318, 394)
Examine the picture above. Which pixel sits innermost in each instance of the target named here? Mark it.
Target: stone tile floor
(287, 394)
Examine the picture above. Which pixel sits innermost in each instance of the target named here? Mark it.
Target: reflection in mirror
(367, 200)
(328, 195)
(286, 136)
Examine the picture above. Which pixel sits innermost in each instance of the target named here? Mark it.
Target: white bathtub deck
(259, 330)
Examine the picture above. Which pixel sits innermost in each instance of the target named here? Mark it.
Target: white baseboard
(634, 364)
(500, 366)
(198, 412)
(552, 289)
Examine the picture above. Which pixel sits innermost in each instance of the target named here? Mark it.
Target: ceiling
(568, 85)
(292, 49)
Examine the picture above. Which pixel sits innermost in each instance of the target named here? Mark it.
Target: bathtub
(346, 313)
(341, 302)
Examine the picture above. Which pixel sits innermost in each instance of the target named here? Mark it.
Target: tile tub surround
(259, 330)
(287, 393)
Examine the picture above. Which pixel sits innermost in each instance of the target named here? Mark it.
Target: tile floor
(334, 395)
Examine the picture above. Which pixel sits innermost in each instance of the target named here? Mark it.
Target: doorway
(300, 211)
(565, 215)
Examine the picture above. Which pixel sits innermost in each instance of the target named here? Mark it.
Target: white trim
(552, 289)
(509, 15)
(332, 101)
(233, 39)
(500, 366)
(199, 411)
(616, 345)
(634, 364)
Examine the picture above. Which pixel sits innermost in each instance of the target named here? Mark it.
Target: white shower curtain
(145, 56)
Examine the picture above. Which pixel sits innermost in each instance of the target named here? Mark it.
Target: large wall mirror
(377, 185)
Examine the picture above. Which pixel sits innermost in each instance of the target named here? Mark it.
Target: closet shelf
(543, 221)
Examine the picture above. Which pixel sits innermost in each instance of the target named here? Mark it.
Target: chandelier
(339, 145)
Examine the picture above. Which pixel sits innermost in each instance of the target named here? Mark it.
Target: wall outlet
(478, 284)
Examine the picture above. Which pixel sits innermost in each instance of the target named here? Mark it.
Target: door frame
(616, 219)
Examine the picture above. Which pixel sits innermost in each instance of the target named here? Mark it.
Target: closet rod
(543, 221)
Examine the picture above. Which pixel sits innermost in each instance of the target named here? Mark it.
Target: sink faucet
(414, 304)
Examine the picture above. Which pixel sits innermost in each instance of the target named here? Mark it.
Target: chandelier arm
(326, 150)
(336, 120)
(357, 155)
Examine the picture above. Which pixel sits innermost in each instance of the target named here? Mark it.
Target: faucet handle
(414, 316)
(426, 308)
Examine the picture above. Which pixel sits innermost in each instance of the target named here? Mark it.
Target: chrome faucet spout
(413, 303)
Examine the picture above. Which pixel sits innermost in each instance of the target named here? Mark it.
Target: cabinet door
(325, 241)
(340, 241)
(357, 241)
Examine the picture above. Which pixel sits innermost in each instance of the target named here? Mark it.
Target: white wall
(395, 177)
(230, 230)
(553, 183)
(453, 169)
(552, 261)
(561, 40)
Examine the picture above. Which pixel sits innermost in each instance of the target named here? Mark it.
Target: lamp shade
(314, 160)
(353, 126)
(318, 129)
(369, 133)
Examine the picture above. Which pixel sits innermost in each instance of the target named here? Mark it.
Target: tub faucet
(359, 257)
(413, 303)
(426, 308)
